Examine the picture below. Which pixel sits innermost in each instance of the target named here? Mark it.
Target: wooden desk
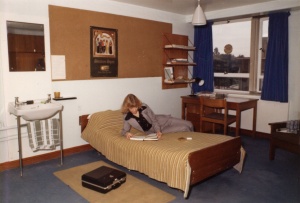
(191, 110)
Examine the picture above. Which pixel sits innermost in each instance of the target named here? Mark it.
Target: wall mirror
(26, 46)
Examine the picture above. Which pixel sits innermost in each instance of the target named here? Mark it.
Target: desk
(190, 110)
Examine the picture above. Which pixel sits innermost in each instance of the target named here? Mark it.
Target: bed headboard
(83, 121)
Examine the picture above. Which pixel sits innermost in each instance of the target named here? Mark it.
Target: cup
(56, 95)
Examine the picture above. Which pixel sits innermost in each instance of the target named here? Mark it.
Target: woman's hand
(128, 135)
(159, 135)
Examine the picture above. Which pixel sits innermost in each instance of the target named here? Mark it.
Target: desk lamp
(198, 81)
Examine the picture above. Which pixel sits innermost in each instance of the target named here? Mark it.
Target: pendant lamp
(199, 17)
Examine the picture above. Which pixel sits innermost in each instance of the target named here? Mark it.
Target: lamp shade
(199, 17)
(199, 81)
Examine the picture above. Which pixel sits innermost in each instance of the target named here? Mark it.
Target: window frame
(254, 75)
(259, 59)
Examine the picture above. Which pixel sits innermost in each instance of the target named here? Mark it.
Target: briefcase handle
(117, 183)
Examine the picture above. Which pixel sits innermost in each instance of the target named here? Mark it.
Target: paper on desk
(58, 64)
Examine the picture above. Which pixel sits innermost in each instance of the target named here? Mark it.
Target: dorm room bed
(174, 160)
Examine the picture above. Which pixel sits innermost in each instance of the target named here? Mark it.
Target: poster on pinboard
(104, 52)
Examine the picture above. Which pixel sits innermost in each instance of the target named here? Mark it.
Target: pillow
(106, 119)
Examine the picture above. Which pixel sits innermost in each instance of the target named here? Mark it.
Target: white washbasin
(36, 111)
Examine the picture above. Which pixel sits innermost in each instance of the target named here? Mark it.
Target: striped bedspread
(165, 160)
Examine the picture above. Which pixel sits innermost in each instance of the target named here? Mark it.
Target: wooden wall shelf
(175, 55)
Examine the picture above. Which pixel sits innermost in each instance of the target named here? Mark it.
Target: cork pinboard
(139, 42)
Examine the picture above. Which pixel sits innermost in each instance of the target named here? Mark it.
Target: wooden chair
(215, 111)
(283, 140)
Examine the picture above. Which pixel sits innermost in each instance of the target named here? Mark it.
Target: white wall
(102, 94)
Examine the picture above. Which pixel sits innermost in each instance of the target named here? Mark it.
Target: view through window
(232, 54)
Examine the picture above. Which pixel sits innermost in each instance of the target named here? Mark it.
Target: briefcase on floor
(103, 179)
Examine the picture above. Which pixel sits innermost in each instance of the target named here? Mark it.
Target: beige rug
(133, 190)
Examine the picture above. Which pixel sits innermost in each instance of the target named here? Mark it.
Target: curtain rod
(255, 15)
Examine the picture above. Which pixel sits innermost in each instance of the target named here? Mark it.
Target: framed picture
(104, 52)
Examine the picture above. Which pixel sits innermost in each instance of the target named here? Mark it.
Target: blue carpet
(262, 180)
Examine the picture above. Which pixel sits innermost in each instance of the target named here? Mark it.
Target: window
(239, 54)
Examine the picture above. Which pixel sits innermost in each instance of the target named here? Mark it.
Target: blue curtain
(275, 83)
(203, 57)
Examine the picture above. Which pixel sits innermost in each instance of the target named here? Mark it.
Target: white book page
(152, 136)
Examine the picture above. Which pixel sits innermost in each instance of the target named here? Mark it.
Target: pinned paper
(58, 65)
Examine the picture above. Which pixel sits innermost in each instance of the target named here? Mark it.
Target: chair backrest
(215, 111)
(212, 103)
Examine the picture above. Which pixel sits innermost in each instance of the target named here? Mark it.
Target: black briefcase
(103, 179)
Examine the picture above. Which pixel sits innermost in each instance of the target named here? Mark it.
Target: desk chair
(215, 111)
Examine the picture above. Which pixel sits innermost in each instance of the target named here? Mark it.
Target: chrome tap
(49, 99)
(17, 103)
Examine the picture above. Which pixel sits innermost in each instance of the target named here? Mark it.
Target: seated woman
(141, 117)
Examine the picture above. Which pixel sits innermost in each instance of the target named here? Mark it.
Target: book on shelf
(150, 137)
(182, 60)
(169, 73)
(180, 46)
(181, 63)
(174, 81)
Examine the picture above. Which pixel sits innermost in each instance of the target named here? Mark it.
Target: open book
(149, 137)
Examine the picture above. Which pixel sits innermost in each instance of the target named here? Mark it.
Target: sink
(36, 111)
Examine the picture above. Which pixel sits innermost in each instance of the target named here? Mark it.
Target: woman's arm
(150, 116)
(126, 128)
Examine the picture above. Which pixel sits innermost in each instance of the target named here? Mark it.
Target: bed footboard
(212, 160)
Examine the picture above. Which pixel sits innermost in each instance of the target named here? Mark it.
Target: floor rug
(133, 190)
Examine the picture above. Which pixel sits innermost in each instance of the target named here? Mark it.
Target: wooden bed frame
(206, 162)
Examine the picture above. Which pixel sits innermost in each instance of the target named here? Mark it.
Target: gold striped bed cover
(165, 160)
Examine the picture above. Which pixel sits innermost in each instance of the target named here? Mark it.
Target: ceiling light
(199, 17)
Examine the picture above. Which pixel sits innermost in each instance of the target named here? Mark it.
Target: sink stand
(20, 140)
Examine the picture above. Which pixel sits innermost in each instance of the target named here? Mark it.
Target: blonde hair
(130, 101)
